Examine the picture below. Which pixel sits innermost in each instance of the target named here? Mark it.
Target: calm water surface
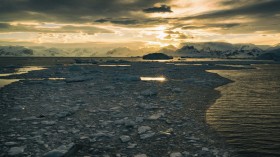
(23, 70)
(248, 112)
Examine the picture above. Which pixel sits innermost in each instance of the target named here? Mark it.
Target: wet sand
(110, 111)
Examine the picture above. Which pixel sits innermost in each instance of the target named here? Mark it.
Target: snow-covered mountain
(195, 50)
(271, 54)
(146, 50)
(73, 52)
(246, 51)
(127, 52)
(69, 52)
(82, 52)
(15, 51)
(167, 49)
(218, 50)
(120, 51)
(187, 51)
(275, 47)
(210, 46)
(47, 51)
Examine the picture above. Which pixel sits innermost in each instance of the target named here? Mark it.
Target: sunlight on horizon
(135, 28)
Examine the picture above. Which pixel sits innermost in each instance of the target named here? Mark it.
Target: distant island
(157, 56)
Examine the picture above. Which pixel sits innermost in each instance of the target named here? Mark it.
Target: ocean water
(19, 71)
(248, 112)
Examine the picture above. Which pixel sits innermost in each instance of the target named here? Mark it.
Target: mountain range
(217, 50)
(193, 50)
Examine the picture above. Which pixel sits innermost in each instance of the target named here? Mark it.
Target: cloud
(4, 25)
(8, 28)
(121, 21)
(252, 16)
(71, 11)
(238, 3)
(140, 22)
(260, 9)
(103, 20)
(182, 36)
(84, 29)
(131, 12)
(176, 35)
(168, 37)
(161, 9)
(212, 25)
(130, 19)
(125, 21)
(171, 32)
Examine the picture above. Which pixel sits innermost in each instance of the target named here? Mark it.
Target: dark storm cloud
(125, 22)
(103, 20)
(161, 9)
(146, 22)
(71, 11)
(255, 15)
(121, 21)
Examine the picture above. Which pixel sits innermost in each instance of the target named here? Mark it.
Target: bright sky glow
(153, 22)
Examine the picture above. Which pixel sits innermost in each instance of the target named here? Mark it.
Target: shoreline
(103, 110)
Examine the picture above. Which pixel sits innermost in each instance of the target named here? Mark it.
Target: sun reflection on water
(4, 82)
(23, 70)
(53, 78)
(160, 79)
(114, 65)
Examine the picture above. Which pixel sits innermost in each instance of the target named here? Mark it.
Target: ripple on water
(248, 112)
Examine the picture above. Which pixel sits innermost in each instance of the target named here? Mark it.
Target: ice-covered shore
(108, 111)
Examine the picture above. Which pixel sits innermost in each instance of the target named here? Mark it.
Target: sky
(139, 22)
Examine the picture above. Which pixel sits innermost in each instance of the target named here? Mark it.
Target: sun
(161, 35)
